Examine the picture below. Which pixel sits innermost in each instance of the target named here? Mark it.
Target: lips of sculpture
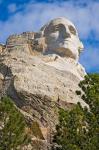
(76, 43)
(68, 49)
(75, 46)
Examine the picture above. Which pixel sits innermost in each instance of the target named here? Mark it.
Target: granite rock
(39, 80)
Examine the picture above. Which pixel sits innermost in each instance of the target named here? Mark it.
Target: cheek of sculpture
(51, 38)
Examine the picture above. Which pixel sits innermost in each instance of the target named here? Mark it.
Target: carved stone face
(62, 38)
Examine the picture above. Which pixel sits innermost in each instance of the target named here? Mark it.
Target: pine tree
(12, 125)
(78, 128)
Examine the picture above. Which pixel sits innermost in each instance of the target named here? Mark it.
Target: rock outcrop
(2, 47)
(41, 72)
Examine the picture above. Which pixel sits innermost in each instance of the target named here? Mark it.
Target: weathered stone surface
(62, 38)
(2, 47)
(39, 82)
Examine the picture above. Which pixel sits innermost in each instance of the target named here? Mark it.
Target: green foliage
(90, 86)
(78, 128)
(12, 125)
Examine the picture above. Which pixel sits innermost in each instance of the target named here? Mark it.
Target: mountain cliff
(40, 72)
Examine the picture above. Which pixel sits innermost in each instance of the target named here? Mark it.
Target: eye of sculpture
(72, 29)
(53, 28)
(59, 27)
(50, 29)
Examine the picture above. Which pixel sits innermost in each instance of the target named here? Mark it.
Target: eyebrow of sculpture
(72, 29)
(52, 28)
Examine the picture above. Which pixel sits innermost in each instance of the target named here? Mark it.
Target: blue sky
(17, 16)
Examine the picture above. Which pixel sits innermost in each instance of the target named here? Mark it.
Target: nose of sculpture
(64, 34)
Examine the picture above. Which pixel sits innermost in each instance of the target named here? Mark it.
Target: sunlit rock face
(41, 72)
(61, 37)
(2, 47)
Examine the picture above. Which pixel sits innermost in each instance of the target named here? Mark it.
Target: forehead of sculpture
(61, 20)
(58, 21)
(59, 24)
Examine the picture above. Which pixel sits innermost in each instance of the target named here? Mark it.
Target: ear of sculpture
(39, 42)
